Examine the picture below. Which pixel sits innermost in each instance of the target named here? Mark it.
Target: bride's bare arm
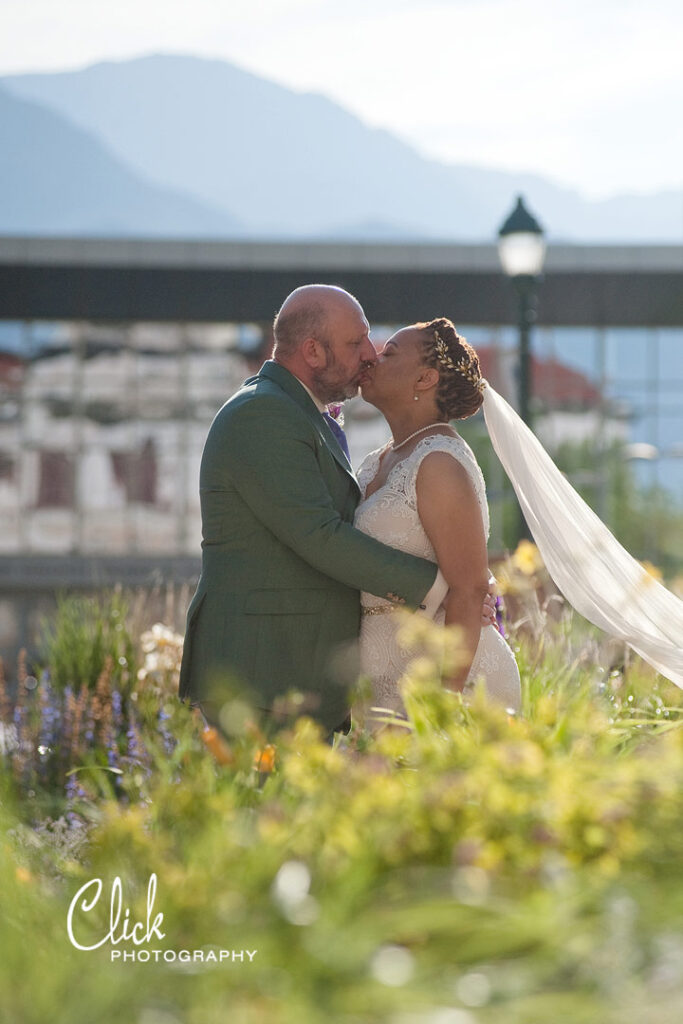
(451, 517)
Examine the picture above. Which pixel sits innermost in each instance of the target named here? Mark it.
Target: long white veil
(588, 564)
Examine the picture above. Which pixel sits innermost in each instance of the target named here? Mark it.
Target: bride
(424, 493)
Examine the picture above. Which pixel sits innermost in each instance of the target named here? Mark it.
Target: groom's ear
(313, 353)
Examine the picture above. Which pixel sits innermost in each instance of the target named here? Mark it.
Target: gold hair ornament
(464, 366)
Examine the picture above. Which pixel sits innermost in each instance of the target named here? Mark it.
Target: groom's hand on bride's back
(437, 595)
(488, 611)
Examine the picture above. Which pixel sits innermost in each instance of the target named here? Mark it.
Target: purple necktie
(338, 433)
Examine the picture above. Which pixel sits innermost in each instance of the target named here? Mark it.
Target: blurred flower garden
(467, 867)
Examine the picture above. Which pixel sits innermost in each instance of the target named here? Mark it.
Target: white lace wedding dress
(390, 515)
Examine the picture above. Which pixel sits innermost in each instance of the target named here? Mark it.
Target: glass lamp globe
(521, 245)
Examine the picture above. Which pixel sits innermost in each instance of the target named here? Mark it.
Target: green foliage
(468, 867)
(646, 520)
(87, 631)
(74, 732)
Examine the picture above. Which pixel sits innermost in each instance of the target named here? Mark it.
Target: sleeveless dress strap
(458, 449)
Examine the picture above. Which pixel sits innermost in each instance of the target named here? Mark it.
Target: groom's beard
(331, 385)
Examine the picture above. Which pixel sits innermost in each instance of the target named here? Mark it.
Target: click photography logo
(130, 941)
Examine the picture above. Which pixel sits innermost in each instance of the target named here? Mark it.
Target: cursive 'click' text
(121, 928)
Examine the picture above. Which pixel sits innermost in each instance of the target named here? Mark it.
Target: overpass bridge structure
(125, 280)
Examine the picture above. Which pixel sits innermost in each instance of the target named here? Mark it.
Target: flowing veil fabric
(588, 564)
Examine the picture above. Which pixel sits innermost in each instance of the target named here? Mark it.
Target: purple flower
(136, 752)
(168, 738)
(117, 709)
(336, 411)
(133, 751)
(74, 791)
(50, 716)
(73, 788)
(500, 622)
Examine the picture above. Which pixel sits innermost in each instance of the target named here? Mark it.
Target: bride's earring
(417, 398)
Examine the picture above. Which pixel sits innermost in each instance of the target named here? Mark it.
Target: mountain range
(182, 146)
(56, 178)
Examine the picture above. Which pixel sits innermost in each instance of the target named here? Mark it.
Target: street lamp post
(521, 248)
(527, 315)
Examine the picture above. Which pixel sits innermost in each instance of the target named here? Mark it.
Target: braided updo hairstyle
(459, 392)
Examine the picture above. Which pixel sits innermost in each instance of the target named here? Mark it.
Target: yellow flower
(23, 875)
(526, 558)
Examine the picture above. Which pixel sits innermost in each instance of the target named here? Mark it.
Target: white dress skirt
(390, 515)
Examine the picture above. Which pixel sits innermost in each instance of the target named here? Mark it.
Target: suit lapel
(289, 383)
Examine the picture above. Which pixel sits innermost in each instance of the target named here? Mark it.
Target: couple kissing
(304, 563)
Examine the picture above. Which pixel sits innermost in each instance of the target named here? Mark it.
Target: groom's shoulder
(258, 397)
(258, 392)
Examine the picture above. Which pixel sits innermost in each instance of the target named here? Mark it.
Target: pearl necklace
(395, 447)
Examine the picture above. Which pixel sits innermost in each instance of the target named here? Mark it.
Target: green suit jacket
(277, 605)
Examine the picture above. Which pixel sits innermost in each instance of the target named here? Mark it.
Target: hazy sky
(587, 92)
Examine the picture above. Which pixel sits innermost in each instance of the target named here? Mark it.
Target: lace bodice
(390, 513)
